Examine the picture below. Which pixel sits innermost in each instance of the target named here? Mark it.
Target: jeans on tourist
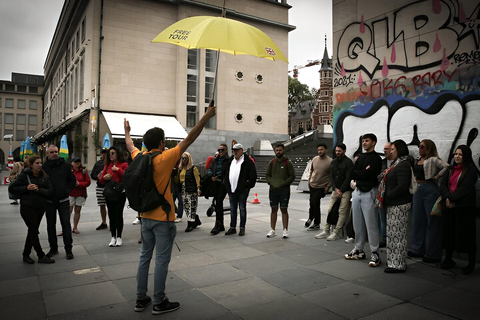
(382, 223)
(238, 199)
(64, 214)
(160, 234)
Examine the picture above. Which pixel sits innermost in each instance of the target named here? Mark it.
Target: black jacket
(367, 178)
(464, 195)
(28, 197)
(341, 171)
(247, 177)
(97, 168)
(397, 185)
(61, 176)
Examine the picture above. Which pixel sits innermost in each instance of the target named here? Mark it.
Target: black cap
(104, 150)
(75, 159)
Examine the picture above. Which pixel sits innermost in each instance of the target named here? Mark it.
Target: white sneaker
(177, 220)
(332, 237)
(285, 234)
(322, 235)
(119, 242)
(136, 221)
(113, 242)
(271, 234)
(349, 240)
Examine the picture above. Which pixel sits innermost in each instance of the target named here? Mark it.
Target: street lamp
(10, 154)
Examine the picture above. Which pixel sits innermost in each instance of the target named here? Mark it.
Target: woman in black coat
(397, 199)
(33, 187)
(458, 208)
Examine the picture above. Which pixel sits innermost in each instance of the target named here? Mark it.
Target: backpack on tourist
(140, 188)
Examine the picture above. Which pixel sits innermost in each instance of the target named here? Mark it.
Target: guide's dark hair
(370, 136)
(153, 137)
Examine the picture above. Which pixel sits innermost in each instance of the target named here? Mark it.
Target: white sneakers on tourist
(177, 219)
(285, 234)
(322, 235)
(119, 242)
(271, 234)
(136, 221)
(113, 242)
(349, 240)
(332, 237)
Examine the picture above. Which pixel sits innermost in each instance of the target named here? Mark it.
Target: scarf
(382, 177)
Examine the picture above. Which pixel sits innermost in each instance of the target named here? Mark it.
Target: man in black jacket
(97, 169)
(240, 176)
(63, 181)
(217, 170)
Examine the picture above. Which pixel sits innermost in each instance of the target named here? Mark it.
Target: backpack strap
(154, 154)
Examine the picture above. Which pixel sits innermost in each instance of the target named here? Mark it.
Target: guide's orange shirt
(162, 169)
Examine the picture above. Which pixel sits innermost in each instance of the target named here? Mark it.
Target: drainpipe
(99, 67)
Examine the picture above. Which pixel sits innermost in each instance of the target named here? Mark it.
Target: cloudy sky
(27, 27)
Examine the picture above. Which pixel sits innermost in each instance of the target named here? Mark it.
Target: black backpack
(140, 188)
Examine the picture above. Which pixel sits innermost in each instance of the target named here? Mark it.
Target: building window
(32, 119)
(9, 87)
(210, 60)
(77, 84)
(0, 102)
(325, 107)
(73, 49)
(9, 103)
(21, 88)
(209, 82)
(32, 105)
(8, 118)
(77, 40)
(20, 135)
(83, 29)
(81, 82)
(33, 89)
(191, 116)
(191, 88)
(21, 104)
(192, 59)
(21, 119)
(67, 57)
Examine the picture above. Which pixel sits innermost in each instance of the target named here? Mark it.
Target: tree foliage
(299, 92)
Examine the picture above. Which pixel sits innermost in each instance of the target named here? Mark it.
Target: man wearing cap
(63, 181)
(240, 177)
(101, 202)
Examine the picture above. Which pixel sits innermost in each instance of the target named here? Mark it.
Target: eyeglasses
(112, 153)
(421, 147)
(184, 158)
(220, 150)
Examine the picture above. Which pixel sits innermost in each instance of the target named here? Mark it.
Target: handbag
(437, 208)
(113, 190)
(332, 217)
(412, 188)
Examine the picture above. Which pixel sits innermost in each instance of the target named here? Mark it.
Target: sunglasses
(112, 153)
(220, 150)
(184, 158)
(421, 147)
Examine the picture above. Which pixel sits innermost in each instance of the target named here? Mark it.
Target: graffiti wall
(409, 71)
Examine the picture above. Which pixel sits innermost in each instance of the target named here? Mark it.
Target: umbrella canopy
(106, 141)
(22, 148)
(27, 148)
(143, 147)
(63, 148)
(223, 34)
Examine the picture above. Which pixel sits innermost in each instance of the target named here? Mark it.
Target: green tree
(298, 92)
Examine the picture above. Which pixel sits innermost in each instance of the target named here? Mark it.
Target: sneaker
(52, 252)
(271, 234)
(112, 242)
(14, 202)
(177, 220)
(322, 235)
(308, 223)
(349, 240)
(46, 259)
(119, 242)
(231, 231)
(28, 260)
(374, 260)
(102, 226)
(241, 233)
(140, 305)
(69, 255)
(314, 227)
(136, 221)
(355, 255)
(285, 234)
(165, 306)
(332, 237)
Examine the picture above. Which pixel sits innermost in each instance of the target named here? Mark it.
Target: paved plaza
(223, 277)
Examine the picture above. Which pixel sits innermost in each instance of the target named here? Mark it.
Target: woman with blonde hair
(426, 229)
(189, 179)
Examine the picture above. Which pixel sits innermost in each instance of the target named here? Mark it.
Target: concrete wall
(407, 70)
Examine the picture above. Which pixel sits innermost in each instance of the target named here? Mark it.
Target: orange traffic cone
(255, 201)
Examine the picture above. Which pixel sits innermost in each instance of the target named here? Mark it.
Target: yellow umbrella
(222, 34)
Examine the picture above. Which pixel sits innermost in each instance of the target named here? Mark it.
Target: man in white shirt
(240, 177)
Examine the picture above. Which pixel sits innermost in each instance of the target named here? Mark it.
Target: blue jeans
(160, 234)
(382, 223)
(426, 229)
(238, 199)
(64, 214)
(365, 219)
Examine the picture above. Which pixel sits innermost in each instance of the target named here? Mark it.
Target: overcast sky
(27, 27)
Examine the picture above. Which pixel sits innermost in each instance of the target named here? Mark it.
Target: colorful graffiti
(412, 74)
